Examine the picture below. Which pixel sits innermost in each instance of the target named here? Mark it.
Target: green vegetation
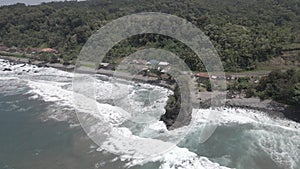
(281, 86)
(245, 86)
(241, 84)
(13, 54)
(172, 108)
(207, 85)
(246, 34)
(243, 32)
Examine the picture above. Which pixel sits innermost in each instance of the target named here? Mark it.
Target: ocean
(39, 128)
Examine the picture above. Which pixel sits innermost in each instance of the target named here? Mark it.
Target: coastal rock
(7, 69)
(178, 108)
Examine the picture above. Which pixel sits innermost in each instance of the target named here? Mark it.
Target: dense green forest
(281, 86)
(244, 32)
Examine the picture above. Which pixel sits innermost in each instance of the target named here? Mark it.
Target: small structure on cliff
(49, 50)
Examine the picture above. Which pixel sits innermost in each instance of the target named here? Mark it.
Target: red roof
(49, 50)
(205, 75)
(3, 47)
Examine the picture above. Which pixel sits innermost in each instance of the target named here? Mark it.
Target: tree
(281, 86)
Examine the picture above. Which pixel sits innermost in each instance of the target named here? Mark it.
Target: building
(202, 76)
(3, 48)
(153, 62)
(163, 64)
(205, 76)
(103, 65)
(49, 50)
(229, 77)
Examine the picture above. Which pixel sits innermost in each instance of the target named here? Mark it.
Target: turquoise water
(28, 142)
(30, 139)
(233, 146)
(24, 138)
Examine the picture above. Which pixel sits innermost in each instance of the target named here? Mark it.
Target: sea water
(39, 129)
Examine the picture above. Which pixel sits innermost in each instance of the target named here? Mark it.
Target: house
(205, 76)
(166, 69)
(103, 65)
(229, 78)
(214, 77)
(202, 76)
(153, 62)
(49, 50)
(3, 48)
(163, 64)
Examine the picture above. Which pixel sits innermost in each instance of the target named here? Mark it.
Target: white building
(163, 64)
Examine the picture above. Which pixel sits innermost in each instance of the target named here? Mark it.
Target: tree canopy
(281, 86)
(243, 32)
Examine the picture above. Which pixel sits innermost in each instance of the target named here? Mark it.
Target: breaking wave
(244, 138)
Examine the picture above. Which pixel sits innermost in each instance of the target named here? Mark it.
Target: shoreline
(274, 109)
(271, 107)
(87, 70)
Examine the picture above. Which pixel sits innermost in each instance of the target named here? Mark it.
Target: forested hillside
(243, 31)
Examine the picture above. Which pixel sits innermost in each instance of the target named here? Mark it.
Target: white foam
(181, 158)
(139, 150)
(143, 150)
(121, 141)
(27, 69)
(268, 132)
(158, 126)
(53, 92)
(9, 78)
(241, 116)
